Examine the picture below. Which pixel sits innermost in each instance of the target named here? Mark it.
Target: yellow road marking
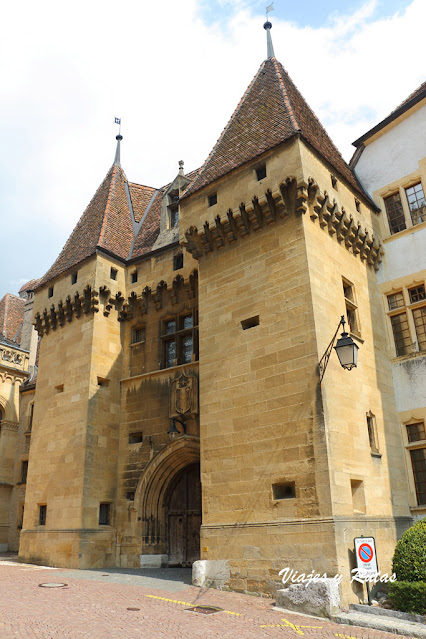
(345, 636)
(185, 603)
(288, 624)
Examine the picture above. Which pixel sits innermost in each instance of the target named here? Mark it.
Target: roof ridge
(230, 121)
(287, 101)
(108, 203)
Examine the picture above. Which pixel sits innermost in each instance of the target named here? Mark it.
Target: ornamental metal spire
(118, 137)
(268, 27)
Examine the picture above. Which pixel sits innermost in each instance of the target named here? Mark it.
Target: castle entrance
(183, 516)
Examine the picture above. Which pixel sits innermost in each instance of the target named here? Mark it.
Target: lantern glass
(347, 352)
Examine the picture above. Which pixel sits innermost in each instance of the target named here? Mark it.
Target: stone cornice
(135, 305)
(8, 425)
(292, 198)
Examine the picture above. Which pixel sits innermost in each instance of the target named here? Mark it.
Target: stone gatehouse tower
(178, 410)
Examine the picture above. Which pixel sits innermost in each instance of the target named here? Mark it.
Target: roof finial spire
(268, 27)
(181, 171)
(118, 137)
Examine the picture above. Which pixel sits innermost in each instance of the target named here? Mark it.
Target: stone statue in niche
(184, 396)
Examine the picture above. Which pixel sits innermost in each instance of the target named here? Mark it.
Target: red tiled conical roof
(271, 111)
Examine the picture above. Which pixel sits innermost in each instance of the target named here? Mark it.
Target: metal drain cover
(135, 609)
(204, 610)
(52, 585)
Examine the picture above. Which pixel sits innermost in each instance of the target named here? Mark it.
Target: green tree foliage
(409, 560)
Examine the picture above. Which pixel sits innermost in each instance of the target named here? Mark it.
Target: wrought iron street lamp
(174, 432)
(346, 349)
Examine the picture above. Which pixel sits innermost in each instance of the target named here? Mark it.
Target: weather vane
(118, 121)
(269, 8)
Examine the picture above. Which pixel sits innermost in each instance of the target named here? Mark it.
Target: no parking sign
(366, 559)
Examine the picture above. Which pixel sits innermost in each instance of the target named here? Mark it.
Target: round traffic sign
(365, 553)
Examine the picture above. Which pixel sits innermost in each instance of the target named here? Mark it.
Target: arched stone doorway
(169, 490)
(183, 515)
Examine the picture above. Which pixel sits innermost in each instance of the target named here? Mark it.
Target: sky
(174, 72)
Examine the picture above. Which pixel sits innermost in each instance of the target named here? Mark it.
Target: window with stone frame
(351, 307)
(416, 203)
(407, 315)
(416, 446)
(179, 338)
(138, 335)
(395, 213)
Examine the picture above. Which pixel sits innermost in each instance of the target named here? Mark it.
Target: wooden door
(184, 518)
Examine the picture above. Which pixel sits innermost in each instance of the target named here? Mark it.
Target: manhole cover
(204, 610)
(52, 585)
(133, 609)
(105, 575)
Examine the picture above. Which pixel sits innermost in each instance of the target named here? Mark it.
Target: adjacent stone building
(390, 161)
(178, 411)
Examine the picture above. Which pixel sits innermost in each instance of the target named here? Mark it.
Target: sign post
(366, 559)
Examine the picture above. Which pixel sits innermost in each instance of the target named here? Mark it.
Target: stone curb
(396, 614)
(378, 622)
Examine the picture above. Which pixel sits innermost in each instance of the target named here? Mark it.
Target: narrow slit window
(42, 513)
(74, 278)
(251, 322)
(134, 277)
(178, 261)
(50, 292)
(113, 273)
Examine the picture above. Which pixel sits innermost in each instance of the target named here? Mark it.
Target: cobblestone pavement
(127, 605)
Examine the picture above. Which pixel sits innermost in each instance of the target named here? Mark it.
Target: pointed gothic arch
(153, 487)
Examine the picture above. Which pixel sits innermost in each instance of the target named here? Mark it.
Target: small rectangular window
(396, 300)
(251, 322)
(401, 334)
(50, 292)
(358, 497)
(395, 213)
(42, 512)
(59, 388)
(261, 172)
(178, 261)
(416, 203)
(24, 471)
(351, 307)
(416, 432)
(104, 514)
(357, 205)
(417, 294)
(138, 335)
(212, 199)
(74, 277)
(134, 277)
(333, 181)
(130, 496)
(103, 381)
(113, 273)
(284, 490)
(419, 317)
(418, 461)
(135, 438)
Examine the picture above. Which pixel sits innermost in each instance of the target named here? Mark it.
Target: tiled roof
(271, 111)
(141, 197)
(415, 97)
(149, 230)
(106, 223)
(7, 342)
(29, 286)
(11, 317)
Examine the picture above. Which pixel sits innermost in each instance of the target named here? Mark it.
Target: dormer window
(173, 209)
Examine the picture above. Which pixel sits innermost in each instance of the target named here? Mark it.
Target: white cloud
(67, 70)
